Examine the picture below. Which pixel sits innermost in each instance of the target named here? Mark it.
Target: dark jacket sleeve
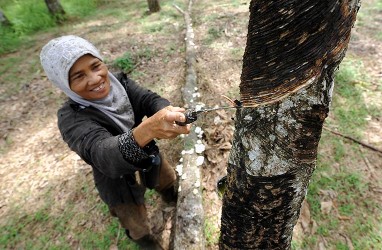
(93, 142)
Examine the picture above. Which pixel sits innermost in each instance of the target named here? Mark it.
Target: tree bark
(153, 5)
(293, 49)
(56, 10)
(4, 20)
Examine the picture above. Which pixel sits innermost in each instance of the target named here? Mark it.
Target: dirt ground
(36, 162)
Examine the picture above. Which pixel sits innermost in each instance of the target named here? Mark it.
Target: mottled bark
(153, 5)
(4, 20)
(293, 49)
(56, 10)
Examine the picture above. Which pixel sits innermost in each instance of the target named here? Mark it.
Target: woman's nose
(93, 79)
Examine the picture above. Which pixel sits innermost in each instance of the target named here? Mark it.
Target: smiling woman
(89, 78)
(103, 123)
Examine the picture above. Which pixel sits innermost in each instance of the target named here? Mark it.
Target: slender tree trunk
(153, 5)
(56, 10)
(4, 20)
(293, 49)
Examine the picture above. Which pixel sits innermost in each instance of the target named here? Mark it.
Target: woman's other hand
(161, 126)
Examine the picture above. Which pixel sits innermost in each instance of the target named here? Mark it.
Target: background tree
(153, 5)
(3, 19)
(56, 10)
(293, 49)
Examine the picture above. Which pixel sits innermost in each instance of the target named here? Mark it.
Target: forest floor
(48, 199)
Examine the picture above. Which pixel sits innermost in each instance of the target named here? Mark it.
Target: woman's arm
(93, 142)
(114, 155)
(161, 116)
(161, 126)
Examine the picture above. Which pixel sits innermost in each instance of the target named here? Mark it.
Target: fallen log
(189, 233)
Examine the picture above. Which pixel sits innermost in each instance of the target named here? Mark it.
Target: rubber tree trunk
(4, 20)
(293, 49)
(153, 5)
(56, 10)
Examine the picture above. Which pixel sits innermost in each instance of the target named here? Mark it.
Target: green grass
(21, 234)
(150, 194)
(213, 34)
(237, 53)
(352, 202)
(163, 21)
(43, 228)
(379, 35)
(125, 62)
(80, 8)
(349, 107)
(154, 27)
(211, 232)
(129, 61)
(368, 14)
(29, 16)
(10, 76)
(81, 221)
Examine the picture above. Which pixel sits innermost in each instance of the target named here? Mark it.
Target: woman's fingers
(163, 125)
(173, 117)
(175, 109)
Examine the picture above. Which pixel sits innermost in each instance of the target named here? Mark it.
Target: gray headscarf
(59, 55)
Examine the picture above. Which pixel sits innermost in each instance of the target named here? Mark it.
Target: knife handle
(190, 115)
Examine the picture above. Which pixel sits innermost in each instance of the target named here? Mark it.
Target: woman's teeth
(100, 87)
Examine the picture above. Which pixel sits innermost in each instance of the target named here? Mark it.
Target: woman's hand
(161, 126)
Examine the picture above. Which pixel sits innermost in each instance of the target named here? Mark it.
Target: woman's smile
(99, 88)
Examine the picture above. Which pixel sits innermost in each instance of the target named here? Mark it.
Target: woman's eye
(97, 66)
(77, 77)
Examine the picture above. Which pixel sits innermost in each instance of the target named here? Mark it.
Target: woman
(102, 123)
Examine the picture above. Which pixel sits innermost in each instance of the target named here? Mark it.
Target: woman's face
(89, 78)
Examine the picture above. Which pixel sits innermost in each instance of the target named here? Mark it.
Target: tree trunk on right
(293, 49)
(153, 5)
(56, 10)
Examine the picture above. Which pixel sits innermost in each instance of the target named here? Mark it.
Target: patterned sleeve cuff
(130, 149)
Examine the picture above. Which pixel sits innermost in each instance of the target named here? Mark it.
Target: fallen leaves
(308, 225)
(218, 143)
(326, 206)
